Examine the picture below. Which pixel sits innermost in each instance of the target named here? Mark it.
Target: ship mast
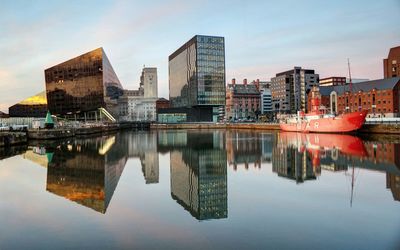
(352, 187)
(350, 81)
(350, 87)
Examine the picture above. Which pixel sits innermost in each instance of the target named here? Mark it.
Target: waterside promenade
(366, 128)
(9, 138)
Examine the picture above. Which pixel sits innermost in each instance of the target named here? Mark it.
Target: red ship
(317, 121)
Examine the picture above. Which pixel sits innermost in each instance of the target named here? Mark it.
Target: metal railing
(383, 120)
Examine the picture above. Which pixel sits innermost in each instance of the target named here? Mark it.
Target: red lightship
(317, 121)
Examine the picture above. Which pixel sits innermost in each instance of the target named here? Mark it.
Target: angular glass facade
(197, 75)
(82, 84)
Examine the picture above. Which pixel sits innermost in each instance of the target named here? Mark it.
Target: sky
(262, 38)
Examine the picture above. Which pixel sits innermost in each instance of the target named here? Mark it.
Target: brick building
(391, 65)
(162, 103)
(332, 81)
(380, 97)
(242, 100)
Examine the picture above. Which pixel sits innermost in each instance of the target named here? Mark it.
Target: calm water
(202, 189)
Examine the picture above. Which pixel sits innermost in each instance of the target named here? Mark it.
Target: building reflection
(85, 171)
(143, 145)
(302, 156)
(198, 171)
(290, 162)
(7, 152)
(248, 148)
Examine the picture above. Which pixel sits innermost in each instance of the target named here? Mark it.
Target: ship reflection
(301, 157)
(198, 172)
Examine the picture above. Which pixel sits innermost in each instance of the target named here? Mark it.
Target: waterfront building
(266, 101)
(197, 78)
(34, 106)
(137, 108)
(3, 115)
(242, 100)
(356, 80)
(261, 84)
(149, 82)
(332, 81)
(391, 65)
(140, 105)
(289, 89)
(379, 97)
(162, 103)
(82, 85)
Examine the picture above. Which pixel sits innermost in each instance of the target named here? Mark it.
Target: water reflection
(198, 172)
(87, 171)
(302, 156)
(7, 152)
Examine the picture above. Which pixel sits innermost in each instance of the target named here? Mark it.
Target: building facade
(140, 104)
(242, 101)
(162, 103)
(266, 101)
(332, 81)
(289, 89)
(4, 115)
(149, 82)
(391, 65)
(34, 106)
(83, 84)
(197, 77)
(379, 97)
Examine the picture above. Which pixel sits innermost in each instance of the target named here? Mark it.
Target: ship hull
(339, 124)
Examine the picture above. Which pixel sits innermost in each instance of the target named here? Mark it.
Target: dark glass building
(34, 106)
(197, 77)
(83, 84)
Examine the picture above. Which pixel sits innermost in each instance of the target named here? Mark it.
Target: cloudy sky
(262, 37)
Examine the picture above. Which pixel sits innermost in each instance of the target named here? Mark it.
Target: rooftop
(380, 84)
(244, 89)
(38, 99)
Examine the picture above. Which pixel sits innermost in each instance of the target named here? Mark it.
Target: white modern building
(266, 101)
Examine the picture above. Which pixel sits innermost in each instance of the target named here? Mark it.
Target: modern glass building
(197, 77)
(83, 84)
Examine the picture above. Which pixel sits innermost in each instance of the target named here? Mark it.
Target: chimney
(233, 81)
(257, 83)
(245, 81)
